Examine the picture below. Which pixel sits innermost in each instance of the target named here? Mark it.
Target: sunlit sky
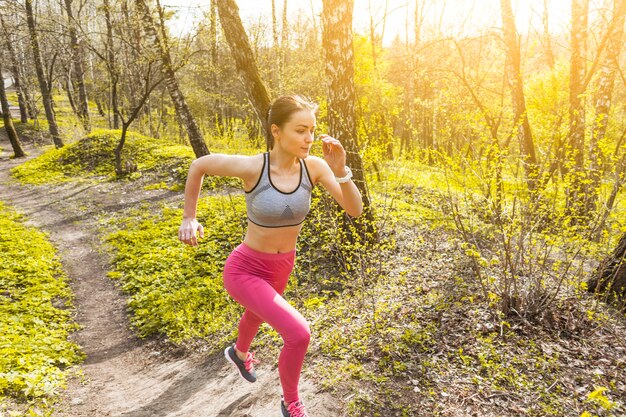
(456, 16)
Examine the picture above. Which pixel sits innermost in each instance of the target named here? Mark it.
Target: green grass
(93, 158)
(35, 315)
(175, 289)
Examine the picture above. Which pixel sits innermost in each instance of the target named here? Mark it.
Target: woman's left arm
(334, 165)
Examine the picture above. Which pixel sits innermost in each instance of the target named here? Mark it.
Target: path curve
(125, 376)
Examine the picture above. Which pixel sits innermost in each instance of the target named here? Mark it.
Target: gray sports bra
(267, 206)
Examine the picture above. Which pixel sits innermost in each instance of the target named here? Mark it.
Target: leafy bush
(35, 315)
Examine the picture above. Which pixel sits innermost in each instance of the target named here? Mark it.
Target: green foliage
(176, 289)
(380, 102)
(598, 398)
(521, 246)
(92, 159)
(35, 313)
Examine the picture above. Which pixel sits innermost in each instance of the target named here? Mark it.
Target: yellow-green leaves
(175, 289)
(34, 313)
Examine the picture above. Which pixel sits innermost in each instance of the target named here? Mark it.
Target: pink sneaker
(245, 368)
(294, 409)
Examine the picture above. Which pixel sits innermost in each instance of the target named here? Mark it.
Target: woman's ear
(275, 130)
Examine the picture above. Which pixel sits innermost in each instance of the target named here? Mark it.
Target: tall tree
(44, 85)
(214, 42)
(514, 75)
(546, 37)
(275, 77)
(339, 58)
(244, 59)
(15, 71)
(575, 149)
(18, 151)
(78, 68)
(148, 84)
(157, 33)
(284, 47)
(111, 64)
(603, 99)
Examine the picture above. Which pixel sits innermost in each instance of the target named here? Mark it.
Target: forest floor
(124, 375)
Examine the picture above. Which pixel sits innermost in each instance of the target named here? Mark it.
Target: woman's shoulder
(315, 165)
(313, 160)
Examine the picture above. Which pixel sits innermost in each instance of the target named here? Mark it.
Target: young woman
(277, 187)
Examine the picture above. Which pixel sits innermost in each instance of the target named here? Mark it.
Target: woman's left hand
(334, 154)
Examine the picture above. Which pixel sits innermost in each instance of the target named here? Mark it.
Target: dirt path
(123, 375)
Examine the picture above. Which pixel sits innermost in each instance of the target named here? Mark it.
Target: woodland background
(502, 149)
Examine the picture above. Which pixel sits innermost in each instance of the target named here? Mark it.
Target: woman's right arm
(214, 164)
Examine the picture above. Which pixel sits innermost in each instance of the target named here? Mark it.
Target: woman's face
(296, 135)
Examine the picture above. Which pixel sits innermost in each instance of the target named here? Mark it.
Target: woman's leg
(264, 303)
(248, 328)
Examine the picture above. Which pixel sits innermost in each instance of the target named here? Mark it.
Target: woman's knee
(300, 336)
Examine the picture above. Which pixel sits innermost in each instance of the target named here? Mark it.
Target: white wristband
(346, 178)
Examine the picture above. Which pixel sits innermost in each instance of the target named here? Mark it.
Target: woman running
(277, 187)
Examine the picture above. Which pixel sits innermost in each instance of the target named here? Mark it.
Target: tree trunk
(147, 90)
(603, 100)
(274, 78)
(214, 44)
(78, 68)
(112, 66)
(244, 59)
(196, 138)
(43, 83)
(130, 165)
(514, 75)
(620, 173)
(16, 73)
(284, 47)
(69, 92)
(575, 156)
(546, 35)
(18, 151)
(339, 58)
(609, 280)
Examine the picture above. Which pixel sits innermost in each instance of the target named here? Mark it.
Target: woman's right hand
(187, 231)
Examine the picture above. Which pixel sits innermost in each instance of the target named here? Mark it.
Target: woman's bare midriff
(272, 239)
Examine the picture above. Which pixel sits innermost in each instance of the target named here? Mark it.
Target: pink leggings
(257, 280)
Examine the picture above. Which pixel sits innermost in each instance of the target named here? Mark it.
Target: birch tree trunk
(514, 75)
(196, 138)
(111, 66)
(43, 82)
(78, 69)
(244, 59)
(18, 151)
(15, 71)
(339, 57)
